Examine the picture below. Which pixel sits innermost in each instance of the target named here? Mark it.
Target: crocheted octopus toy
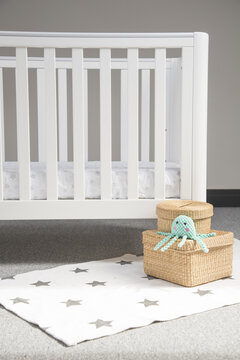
(182, 227)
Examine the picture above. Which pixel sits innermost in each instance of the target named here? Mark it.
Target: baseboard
(226, 197)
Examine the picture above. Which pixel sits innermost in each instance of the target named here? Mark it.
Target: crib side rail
(193, 115)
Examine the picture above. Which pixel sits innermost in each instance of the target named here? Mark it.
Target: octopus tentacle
(201, 243)
(169, 243)
(163, 241)
(163, 233)
(183, 241)
(204, 236)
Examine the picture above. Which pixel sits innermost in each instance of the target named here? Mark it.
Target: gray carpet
(30, 245)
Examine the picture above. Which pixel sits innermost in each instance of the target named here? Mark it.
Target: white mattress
(92, 180)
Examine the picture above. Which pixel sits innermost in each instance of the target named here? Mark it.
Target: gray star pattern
(71, 302)
(41, 283)
(203, 292)
(147, 302)
(122, 262)
(99, 323)
(8, 278)
(20, 300)
(77, 270)
(97, 283)
(149, 277)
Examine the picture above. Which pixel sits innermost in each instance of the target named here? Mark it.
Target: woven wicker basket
(189, 265)
(200, 212)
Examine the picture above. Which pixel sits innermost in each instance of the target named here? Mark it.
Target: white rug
(85, 301)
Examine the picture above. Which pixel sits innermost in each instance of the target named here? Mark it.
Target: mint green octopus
(182, 227)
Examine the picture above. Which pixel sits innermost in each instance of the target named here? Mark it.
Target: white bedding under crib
(92, 180)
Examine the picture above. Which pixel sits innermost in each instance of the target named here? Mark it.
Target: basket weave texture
(200, 212)
(189, 266)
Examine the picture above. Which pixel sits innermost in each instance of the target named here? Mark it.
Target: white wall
(220, 18)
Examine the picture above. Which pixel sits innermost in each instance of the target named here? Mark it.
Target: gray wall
(220, 18)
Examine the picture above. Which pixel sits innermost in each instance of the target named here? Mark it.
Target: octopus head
(183, 226)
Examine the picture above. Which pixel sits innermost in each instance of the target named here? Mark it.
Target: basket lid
(170, 209)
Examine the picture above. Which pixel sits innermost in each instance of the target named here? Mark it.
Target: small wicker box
(189, 265)
(200, 212)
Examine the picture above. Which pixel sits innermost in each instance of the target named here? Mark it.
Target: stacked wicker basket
(188, 265)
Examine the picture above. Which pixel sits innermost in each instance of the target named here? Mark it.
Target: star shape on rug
(20, 300)
(147, 302)
(228, 278)
(71, 302)
(149, 277)
(77, 270)
(41, 283)
(97, 283)
(123, 262)
(203, 292)
(8, 278)
(99, 323)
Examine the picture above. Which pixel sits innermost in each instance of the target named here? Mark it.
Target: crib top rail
(97, 35)
(95, 40)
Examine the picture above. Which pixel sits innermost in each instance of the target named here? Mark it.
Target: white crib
(171, 91)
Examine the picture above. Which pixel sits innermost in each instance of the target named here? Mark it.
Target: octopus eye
(185, 223)
(176, 222)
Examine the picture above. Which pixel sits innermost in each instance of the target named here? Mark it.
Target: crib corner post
(200, 92)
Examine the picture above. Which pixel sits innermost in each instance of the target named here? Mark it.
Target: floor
(30, 245)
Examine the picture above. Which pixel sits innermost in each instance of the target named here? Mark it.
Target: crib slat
(86, 112)
(145, 115)
(51, 123)
(78, 124)
(132, 124)
(62, 114)
(41, 115)
(23, 139)
(160, 123)
(173, 109)
(124, 115)
(105, 124)
(2, 146)
(186, 123)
